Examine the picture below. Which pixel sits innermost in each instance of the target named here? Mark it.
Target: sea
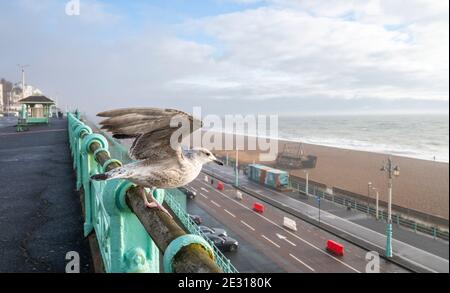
(422, 136)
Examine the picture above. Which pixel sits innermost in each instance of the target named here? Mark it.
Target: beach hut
(277, 178)
(268, 176)
(36, 109)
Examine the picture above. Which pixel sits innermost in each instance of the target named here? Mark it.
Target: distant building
(15, 96)
(13, 100)
(31, 91)
(11, 94)
(5, 93)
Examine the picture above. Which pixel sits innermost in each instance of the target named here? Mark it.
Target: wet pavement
(40, 211)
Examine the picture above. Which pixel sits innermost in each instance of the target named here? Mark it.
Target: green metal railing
(124, 243)
(222, 261)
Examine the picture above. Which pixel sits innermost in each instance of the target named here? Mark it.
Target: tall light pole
(376, 202)
(307, 182)
(369, 186)
(392, 171)
(318, 201)
(22, 67)
(237, 168)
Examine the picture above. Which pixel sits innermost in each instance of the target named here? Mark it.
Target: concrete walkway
(40, 211)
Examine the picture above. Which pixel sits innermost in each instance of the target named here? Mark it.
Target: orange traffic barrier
(335, 248)
(258, 207)
(220, 185)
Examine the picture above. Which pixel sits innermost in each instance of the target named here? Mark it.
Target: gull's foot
(154, 204)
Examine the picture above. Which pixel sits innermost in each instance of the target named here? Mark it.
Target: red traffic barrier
(335, 248)
(220, 185)
(258, 207)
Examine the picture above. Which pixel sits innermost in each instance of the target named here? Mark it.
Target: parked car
(224, 243)
(214, 231)
(197, 219)
(189, 193)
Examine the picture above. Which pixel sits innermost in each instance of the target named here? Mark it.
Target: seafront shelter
(36, 109)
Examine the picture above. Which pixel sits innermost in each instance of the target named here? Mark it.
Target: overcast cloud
(242, 56)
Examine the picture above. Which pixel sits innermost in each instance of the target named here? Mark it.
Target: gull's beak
(218, 162)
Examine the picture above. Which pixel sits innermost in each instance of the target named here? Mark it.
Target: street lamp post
(376, 202)
(369, 185)
(392, 171)
(307, 183)
(318, 199)
(237, 168)
(22, 67)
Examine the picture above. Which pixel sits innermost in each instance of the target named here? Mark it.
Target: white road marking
(285, 239)
(193, 188)
(294, 257)
(263, 236)
(292, 234)
(215, 203)
(226, 211)
(203, 195)
(248, 226)
(291, 243)
(204, 189)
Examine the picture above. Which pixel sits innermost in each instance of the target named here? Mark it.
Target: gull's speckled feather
(160, 164)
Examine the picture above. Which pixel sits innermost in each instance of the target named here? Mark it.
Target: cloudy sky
(228, 56)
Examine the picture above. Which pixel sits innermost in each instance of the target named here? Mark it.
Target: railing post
(88, 165)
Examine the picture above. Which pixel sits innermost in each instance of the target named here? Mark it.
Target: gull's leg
(153, 203)
(143, 195)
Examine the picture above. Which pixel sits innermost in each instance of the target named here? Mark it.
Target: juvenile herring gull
(161, 162)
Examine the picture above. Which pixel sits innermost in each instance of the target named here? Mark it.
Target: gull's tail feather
(121, 172)
(100, 177)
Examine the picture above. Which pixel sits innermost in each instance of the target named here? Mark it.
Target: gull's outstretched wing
(151, 128)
